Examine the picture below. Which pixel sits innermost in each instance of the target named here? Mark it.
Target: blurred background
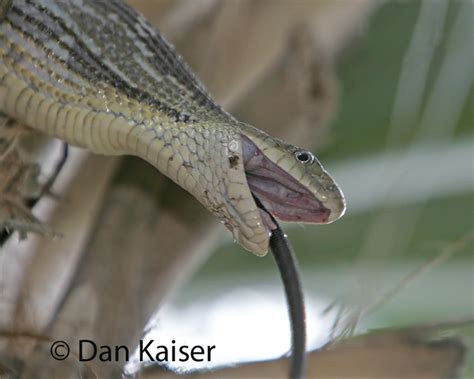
(382, 91)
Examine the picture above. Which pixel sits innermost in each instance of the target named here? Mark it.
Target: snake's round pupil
(304, 157)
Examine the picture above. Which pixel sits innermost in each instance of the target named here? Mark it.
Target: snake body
(95, 74)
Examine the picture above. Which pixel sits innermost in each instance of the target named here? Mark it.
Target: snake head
(276, 180)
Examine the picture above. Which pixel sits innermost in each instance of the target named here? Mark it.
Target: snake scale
(95, 74)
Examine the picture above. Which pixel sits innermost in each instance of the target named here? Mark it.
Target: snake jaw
(277, 186)
(265, 181)
(283, 187)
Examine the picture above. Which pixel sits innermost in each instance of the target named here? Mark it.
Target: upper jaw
(278, 194)
(338, 209)
(263, 190)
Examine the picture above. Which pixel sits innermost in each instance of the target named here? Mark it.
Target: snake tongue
(278, 194)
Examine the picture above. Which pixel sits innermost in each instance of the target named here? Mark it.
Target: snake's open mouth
(278, 193)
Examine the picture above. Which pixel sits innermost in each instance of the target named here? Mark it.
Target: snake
(97, 75)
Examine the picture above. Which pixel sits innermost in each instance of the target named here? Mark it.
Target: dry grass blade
(346, 319)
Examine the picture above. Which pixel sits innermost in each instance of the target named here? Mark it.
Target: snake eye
(304, 157)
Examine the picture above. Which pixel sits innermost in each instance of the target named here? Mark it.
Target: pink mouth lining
(278, 192)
